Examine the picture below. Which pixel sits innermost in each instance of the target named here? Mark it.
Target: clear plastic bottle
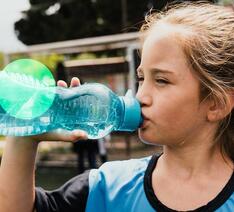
(33, 105)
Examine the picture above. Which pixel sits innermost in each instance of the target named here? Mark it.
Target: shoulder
(125, 166)
(225, 199)
(90, 190)
(111, 184)
(72, 196)
(226, 203)
(119, 171)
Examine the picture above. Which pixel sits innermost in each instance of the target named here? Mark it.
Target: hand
(69, 135)
(74, 83)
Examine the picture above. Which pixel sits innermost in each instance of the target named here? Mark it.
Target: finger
(63, 135)
(78, 135)
(75, 82)
(62, 83)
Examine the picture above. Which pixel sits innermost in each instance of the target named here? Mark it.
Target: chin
(148, 139)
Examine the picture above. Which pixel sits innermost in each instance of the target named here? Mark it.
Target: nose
(143, 95)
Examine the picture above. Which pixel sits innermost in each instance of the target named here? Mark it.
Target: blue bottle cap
(132, 113)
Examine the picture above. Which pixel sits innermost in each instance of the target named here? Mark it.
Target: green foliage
(225, 2)
(40, 2)
(73, 19)
(49, 60)
(57, 20)
(86, 56)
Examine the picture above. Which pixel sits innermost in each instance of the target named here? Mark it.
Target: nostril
(145, 100)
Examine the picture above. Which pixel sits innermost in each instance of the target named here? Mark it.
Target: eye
(162, 81)
(139, 79)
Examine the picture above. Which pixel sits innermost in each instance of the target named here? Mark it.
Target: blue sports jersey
(119, 186)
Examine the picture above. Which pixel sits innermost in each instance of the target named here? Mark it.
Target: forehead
(162, 47)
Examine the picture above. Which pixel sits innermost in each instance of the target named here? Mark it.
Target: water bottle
(31, 104)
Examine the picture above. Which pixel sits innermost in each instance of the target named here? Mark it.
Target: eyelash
(161, 81)
(139, 79)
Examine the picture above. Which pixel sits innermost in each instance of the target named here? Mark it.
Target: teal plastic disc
(27, 88)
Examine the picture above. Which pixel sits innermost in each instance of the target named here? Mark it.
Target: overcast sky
(10, 12)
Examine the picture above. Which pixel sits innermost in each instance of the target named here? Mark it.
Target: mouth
(145, 122)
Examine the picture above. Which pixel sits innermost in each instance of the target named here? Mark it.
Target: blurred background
(95, 40)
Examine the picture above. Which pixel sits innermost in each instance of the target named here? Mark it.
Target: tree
(57, 20)
(48, 21)
(226, 2)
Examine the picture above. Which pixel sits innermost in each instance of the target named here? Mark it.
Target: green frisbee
(27, 89)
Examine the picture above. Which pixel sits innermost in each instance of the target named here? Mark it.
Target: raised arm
(17, 176)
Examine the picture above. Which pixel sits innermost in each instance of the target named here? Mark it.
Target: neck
(193, 159)
(189, 158)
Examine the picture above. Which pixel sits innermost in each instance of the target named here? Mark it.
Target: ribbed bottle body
(91, 107)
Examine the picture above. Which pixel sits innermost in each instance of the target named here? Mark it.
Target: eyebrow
(155, 70)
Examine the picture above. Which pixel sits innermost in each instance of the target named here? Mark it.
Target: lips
(144, 116)
(145, 121)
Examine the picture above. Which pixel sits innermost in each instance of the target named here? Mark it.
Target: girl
(186, 91)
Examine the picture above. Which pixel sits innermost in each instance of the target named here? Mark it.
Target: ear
(218, 110)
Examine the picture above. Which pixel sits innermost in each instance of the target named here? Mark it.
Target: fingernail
(77, 133)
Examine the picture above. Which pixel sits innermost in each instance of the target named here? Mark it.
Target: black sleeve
(71, 197)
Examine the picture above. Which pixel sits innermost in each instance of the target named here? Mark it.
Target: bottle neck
(131, 114)
(121, 114)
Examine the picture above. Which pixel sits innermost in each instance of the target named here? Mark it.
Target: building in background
(116, 72)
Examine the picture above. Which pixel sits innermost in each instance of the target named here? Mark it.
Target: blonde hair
(209, 49)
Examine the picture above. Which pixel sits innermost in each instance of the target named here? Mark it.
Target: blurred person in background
(86, 150)
(102, 147)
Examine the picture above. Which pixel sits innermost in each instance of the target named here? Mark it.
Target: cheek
(175, 112)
